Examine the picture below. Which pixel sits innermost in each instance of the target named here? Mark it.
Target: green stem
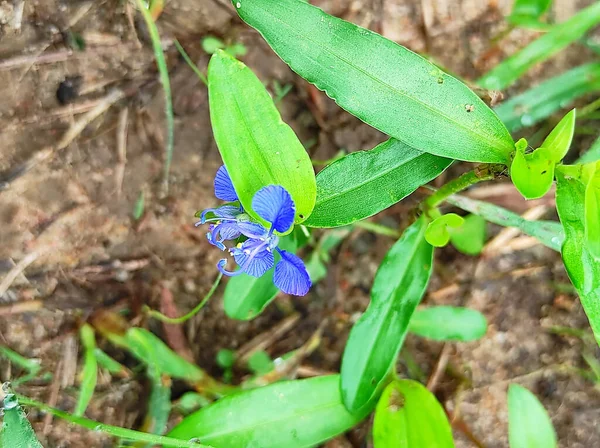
(189, 61)
(377, 228)
(179, 320)
(586, 110)
(479, 174)
(115, 431)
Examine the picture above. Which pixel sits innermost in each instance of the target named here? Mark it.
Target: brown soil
(71, 211)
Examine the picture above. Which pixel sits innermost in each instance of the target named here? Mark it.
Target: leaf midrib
(468, 129)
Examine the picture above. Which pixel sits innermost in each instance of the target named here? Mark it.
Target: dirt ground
(67, 213)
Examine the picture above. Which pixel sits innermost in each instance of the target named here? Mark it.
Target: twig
(30, 59)
(439, 368)
(53, 399)
(21, 307)
(121, 149)
(16, 271)
(264, 340)
(74, 130)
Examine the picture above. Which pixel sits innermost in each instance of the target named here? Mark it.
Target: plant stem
(115, 431)
(588, 109)
(377, 228)
(189, 61)
(479, 174)
(179, 320)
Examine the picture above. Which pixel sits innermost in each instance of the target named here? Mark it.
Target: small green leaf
(89, 374)
(382, 83)
(211, 44)
(529, 425)
(559, 140)
(16, 430)
(448, 323)
(225, 358)
(582, 267)
(549, 233)
(526, 11)
(532, 173)
(437, 233)
(236, 50)
(560, 36)
(469, 238)
(377, 337)
(140, 205)
(364, 183)
(409, 416)
(260, 363)
(257, 147)
(541, 101)
(290, 414)
(592, 214)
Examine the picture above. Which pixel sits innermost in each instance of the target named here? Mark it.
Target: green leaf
(583, 269)
(470, 237)
(89, 374)
(525, 11)
(541, 101)
(260, 363)
(592, 214)
(245, 297)
(448, 323)
(377, 337)
(211, 44)
(592, 154)
(364, 183)
(549, 233)
(529, 425)
(16, 430)
(533, 173)
(437, 233)
(560, 36)
(257, 147)
(559, 140)
(290, 414)
(409, 416)
(384, 84)
(225, 358)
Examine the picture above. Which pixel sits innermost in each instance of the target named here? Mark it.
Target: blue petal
(222, 232)
(226, 211)
(290, 275)
(274, 204)
(223, 186)
(252, 229)
(254, 257)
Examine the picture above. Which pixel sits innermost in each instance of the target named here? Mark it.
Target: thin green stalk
(479, 174)
(377, 228)
(189, 61)
(163, 71)
(115, 431)
(588, 109)
(179, 320)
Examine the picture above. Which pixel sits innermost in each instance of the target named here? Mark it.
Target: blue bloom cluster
(255, 255)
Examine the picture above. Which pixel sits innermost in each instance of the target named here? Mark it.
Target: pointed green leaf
(592, 214)
(469, 238)
(89, 374)
(559, 140)
(377, 337)
(561, 35)
(437, 233)
(532, 173)
(448, 323)
(257, 147)
(541, 101)
(526, 11)
(384, 84)
(290, 414)
(549, 233)
(529, 425)
(409, 416)
(16, 430)
(582, 267)
(364, 183)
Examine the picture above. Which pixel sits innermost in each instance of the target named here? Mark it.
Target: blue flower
(255, 256)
